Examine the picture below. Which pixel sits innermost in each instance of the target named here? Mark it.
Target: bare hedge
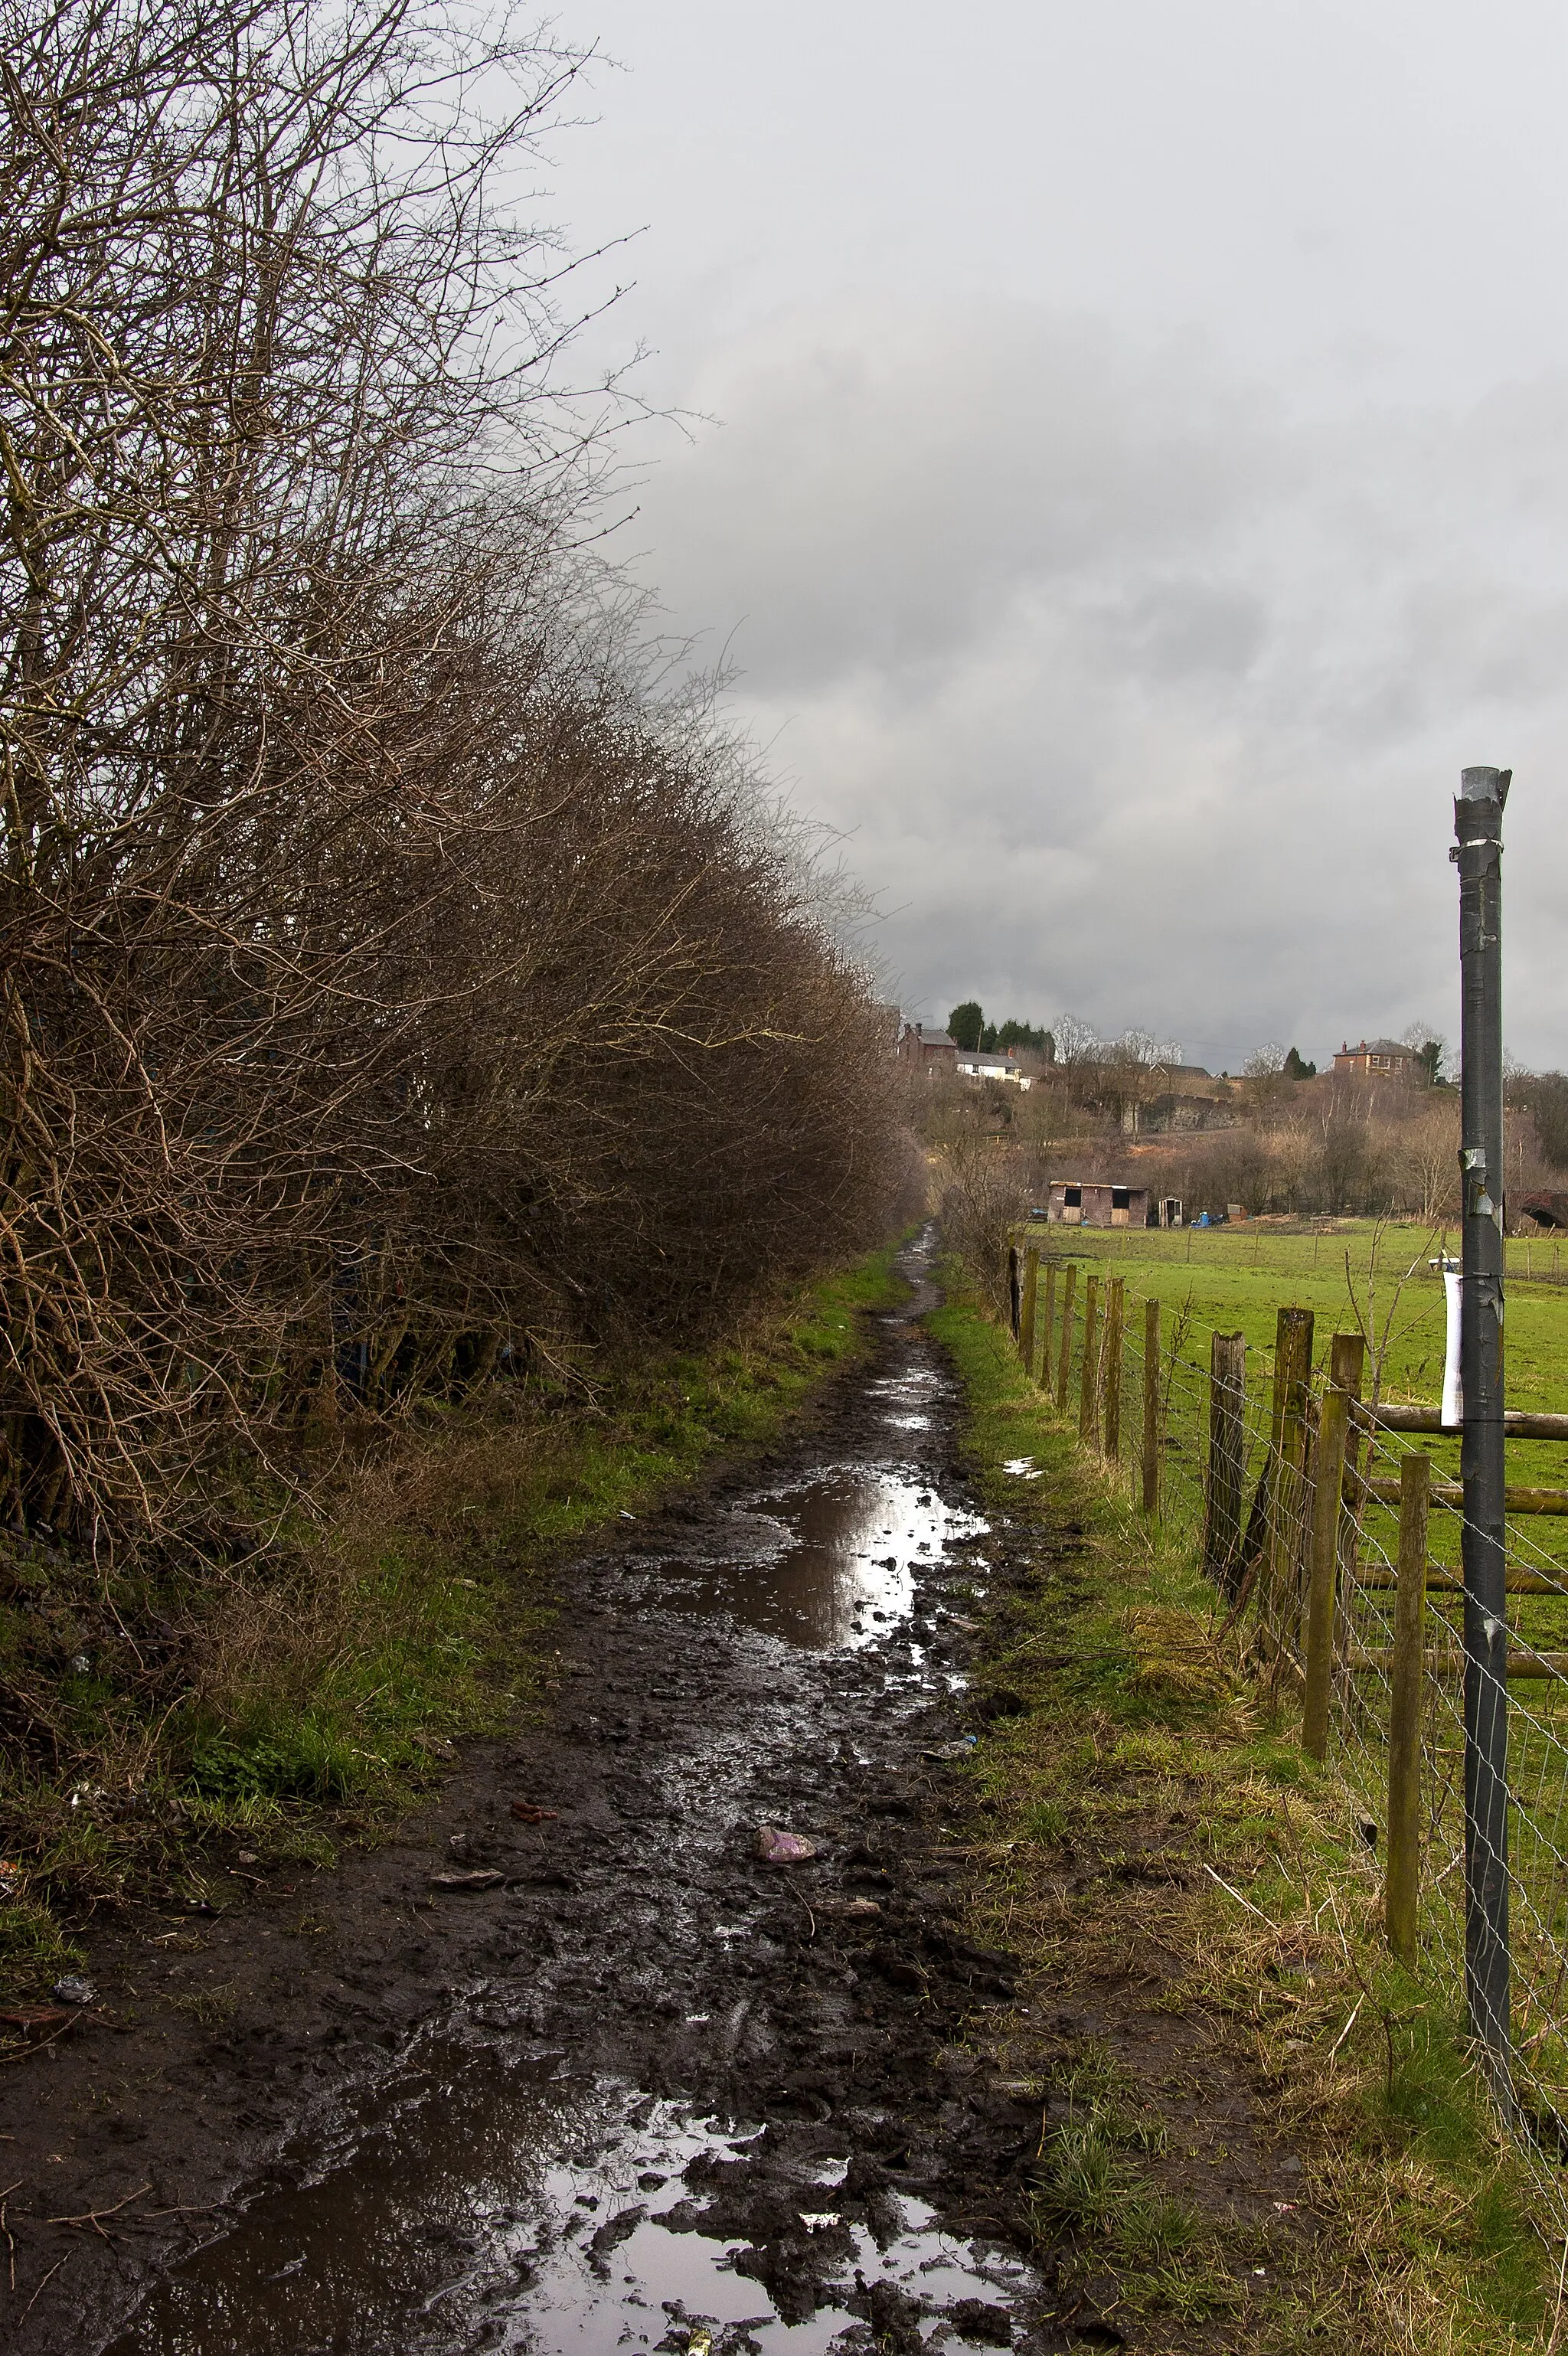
(395, 990)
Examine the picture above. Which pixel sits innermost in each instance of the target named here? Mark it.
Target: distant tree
(1545, 1094)
(1296, 1067)
(1127, 1068)
(988, 1039)
(1265, 1061)
(1431, 1050)
(1077, 1041)
(965, 1024)
(1013, 1034)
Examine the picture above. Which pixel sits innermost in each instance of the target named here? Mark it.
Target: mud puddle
(831, 1562)
(634, 2086)
(483, 2199)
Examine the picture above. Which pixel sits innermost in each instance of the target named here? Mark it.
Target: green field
(1236, 1278)
(1354, 1275)
(1363, 1276)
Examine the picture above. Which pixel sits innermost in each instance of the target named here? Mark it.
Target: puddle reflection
(831, 1562)
(480, 2203)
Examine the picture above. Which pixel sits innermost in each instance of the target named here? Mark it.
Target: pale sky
(1127, 460)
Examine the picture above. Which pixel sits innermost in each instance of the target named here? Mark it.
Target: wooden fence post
(1401, 1884)
(1064, 1361)
(1287, 1450)
(1013, 1288)
(1089, 1375)
(1347, 1359)
(1151, 1406)
(1026, 1311)
(1114, 1318)
(1347, 1355)
(1333, 1424)
(1227, 1456)
(1047, 1324)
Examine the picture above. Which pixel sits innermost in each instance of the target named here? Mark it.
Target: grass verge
(165, 1733)
(1258, 2132)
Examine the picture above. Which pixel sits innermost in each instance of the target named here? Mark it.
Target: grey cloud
(1131, 692)
(881, 497)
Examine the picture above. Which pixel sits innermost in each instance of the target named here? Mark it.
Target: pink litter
(774, 1847)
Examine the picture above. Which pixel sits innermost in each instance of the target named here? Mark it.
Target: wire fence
(1294, 1493)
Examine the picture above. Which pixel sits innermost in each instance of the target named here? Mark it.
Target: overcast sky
(1128, 467)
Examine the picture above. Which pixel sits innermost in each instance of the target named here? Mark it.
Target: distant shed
(1073, 1202)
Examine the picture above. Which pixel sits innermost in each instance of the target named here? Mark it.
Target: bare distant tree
(1077, 1041)
(1433, 1049)
(1131, 1067)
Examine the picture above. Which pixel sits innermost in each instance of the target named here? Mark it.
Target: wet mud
(600, 2077)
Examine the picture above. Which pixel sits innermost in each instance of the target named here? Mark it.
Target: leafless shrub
(987, 1193)
(394, 990)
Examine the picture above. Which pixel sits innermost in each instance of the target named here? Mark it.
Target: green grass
(1431, 2243)
(1237, 1278)
(315, 1694)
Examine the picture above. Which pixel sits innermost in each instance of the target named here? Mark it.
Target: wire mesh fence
(1276, 1474)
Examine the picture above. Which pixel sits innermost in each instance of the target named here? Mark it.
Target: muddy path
(600, 2077)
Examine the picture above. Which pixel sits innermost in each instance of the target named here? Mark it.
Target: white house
(974, 1066)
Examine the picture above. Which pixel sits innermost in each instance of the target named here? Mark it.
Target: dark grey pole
(1478, 822)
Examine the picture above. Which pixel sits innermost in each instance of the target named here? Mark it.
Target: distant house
(930, 1052)
(974, 1066)
(1384, 1059)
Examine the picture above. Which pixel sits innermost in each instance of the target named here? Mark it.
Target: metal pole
(1478, 823)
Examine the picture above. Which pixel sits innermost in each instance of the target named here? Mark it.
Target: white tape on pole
(1452, 1391)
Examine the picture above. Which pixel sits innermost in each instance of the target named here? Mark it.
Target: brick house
(1385, 1059)
(930, 1052)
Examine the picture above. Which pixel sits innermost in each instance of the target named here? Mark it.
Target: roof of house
(1380, 1047)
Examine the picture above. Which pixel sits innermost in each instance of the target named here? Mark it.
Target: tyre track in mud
(633, 2085)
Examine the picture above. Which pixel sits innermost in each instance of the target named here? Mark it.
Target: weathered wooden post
(1402, 1883)
(1047, 1324)
(1227, 1455)
(1026, 1310)
(1115, 1311)
(1089, 1374)
(1346, 1360)
(1151, 1406)
(1064, 1360)
(1288, 1451)
(1333, 1425)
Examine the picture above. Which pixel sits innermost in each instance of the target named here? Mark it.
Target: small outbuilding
(1074, 1203)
